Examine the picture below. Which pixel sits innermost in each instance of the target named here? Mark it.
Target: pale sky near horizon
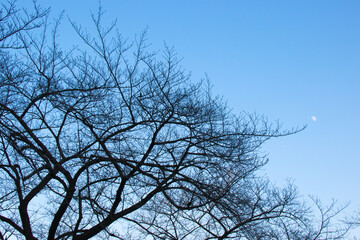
(293, 61)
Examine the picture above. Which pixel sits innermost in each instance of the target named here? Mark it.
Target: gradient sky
(287, 60)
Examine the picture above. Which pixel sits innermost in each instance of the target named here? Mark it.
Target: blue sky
(287, 60)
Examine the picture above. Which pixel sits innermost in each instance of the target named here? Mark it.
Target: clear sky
(287, 60)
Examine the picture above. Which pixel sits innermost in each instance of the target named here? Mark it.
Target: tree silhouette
(110, 141)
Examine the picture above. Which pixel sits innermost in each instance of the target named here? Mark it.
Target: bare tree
(110, 141)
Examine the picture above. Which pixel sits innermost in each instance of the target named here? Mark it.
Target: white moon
(313, 118)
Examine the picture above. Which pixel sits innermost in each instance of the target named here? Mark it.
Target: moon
(313, 118)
